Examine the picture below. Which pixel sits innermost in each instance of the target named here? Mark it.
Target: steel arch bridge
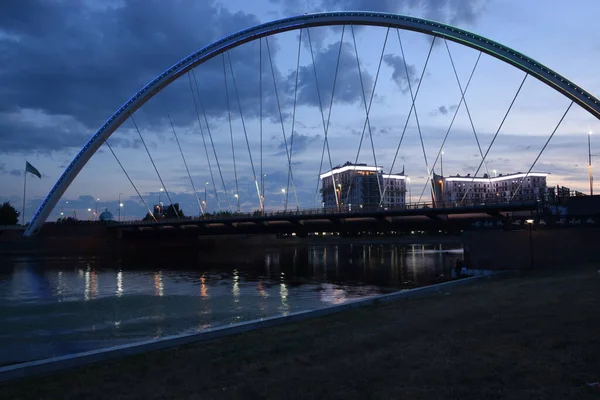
(570, 90)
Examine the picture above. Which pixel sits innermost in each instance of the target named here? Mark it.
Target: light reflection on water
(55, 306)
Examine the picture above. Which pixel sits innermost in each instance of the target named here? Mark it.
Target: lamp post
(237, 200)
(283, 198)
(530, 223)
(159, 192)
(442, 163)
(590, 163)
(205, 186)
(97, 200)
(120, 206)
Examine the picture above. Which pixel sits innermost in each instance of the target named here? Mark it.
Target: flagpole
(24, 192)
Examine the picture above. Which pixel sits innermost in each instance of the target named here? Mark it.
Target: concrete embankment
(535, 249)
(98, 239)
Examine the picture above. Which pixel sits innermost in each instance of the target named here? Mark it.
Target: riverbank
(532, 336)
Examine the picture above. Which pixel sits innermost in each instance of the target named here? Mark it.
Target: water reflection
(119, 283)
(283, 293)
(203, 287)
(52, 306)
(159, 289)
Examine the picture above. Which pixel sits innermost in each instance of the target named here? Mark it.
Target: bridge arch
(551, 78)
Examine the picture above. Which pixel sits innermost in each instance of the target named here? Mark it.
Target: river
(63, 305)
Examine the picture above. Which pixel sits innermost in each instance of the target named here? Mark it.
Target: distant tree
(67, 220)
(8, 214)
(173, 211)
(148, 217)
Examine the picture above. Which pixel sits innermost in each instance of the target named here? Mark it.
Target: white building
(360, 185)
(516, 186)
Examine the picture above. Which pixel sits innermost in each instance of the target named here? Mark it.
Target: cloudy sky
(66, 66)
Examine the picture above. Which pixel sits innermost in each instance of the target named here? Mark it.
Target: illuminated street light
(120, 206)
(205, 186)
(159, 192)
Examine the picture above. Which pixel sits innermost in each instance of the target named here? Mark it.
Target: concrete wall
(557, 248)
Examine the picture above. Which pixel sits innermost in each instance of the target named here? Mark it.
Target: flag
(32, 169)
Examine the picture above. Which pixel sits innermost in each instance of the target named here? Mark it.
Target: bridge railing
(345, 210)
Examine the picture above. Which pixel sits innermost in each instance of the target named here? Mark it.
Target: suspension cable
(237, 191)
(211, 139)
(280, 117)
(212, 177)
(495, 136)
(294, 121)
(367, 107)
(326, 126)
(130, 181)
(154, 165)
(462, 94)
(322, 116)
(413, 98)
(541, 151)
(237, 95)
(260, 95)
(462, 98)
(185, 162)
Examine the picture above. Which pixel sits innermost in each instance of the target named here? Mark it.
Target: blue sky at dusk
(66, 66)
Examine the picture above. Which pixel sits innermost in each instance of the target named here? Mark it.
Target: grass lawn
(535, 336)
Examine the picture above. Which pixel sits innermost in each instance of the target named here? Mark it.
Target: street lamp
(530, 223)
(97, 200)
(442, 163)
(590, 163)
(159, 192)
(237, 200)
(205, 186)
(120, 206)
(283, 198)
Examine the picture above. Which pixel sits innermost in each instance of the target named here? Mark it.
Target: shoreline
(517, 337)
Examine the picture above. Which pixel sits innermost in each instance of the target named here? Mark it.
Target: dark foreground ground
(529, 337)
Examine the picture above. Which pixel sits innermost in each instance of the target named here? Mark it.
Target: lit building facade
(517, 187)
(361, 185)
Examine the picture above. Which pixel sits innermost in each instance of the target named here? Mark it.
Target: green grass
(528, 337)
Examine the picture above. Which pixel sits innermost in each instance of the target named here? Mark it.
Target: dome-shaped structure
(106, 216)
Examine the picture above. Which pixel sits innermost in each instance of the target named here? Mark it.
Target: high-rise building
(360, 185)
(472, 190)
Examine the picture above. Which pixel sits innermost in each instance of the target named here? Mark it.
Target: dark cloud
(443, 110)
(347, 82)
(451, 11)
(76, 62)
(400, 75)
(6, 171)
(300, 143)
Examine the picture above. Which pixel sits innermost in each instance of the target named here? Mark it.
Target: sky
(67, 65)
